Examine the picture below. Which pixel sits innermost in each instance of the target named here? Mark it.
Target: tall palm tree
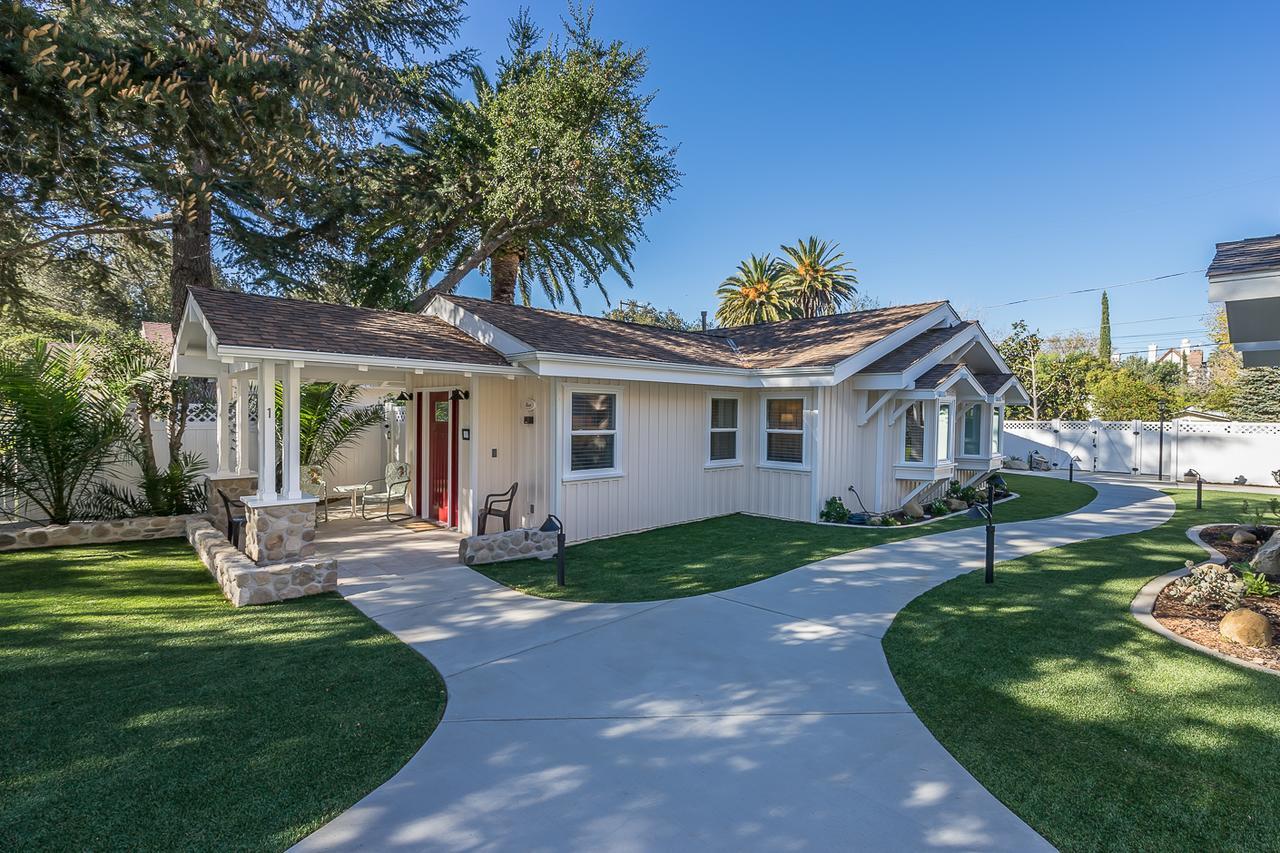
(755, 294)
(822, 281)
(329, 421)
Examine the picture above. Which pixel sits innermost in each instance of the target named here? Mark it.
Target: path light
(1192, 472)
(554, 523)
(978, 511)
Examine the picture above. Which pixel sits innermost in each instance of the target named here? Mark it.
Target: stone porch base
(243, 582)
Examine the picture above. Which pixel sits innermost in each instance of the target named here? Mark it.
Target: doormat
(419, 525)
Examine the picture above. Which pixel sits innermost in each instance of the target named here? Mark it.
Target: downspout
(815, 469)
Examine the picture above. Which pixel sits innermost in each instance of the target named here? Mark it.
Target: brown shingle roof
(816, 342)
(821, 341)
(251, 320)
(916, 348)
(1241, 256)
(936, 375)
(579, 334)
(992, 382)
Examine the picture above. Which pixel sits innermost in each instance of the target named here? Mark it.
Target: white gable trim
(482, 330)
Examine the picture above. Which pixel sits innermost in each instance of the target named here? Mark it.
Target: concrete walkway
(760, 718)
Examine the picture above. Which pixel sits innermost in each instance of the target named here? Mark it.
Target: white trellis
(1221, 452)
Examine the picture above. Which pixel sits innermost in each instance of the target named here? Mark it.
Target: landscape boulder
(1015, 464)
(1247, 627)
(913, 510)
(956, 505)
(1240, 536)
(1267, 560)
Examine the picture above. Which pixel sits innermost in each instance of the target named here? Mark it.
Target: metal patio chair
(235, 523)
(395, 487)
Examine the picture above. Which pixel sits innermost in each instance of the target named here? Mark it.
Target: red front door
(438, 421)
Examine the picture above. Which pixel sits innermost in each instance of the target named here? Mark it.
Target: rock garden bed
(957, 500)
(1231, 609)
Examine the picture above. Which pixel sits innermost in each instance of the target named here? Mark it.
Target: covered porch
(432, 472)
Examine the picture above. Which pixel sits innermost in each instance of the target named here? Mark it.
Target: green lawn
(1096, 731)
(140, 711)
(722, 553)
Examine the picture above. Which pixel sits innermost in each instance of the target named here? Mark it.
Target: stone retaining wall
(243, 582)
(95, 532)
(518, 544)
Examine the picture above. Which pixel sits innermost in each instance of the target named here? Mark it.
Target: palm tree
(823, 282)
(59, 429)
(329, 421)
(755, 294)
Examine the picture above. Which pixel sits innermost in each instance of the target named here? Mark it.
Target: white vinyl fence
(1221, 452)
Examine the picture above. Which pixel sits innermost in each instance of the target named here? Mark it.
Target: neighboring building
(1245, 275)
(616, 427)
(158, 332)
(1191, 360)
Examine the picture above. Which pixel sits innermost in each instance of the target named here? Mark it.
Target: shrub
(59, 429)
(939, 507)
(1256, 583)
(1210, 585)
(1259, 509)
(835, 511)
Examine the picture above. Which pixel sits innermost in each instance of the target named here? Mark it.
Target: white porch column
(290, 445)
(224, 421)
(267, 431)
(244, 463)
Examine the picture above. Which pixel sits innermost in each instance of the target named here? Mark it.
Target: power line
(1094, 289)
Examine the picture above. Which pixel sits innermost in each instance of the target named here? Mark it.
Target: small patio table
(356, 491)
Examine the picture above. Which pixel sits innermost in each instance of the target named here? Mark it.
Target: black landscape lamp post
(978, 511)
(554, 523)
(1192, 472)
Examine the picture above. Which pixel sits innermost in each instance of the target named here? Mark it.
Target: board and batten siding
(663, 447)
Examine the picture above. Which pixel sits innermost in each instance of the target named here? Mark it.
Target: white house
(1245, 275)
(616, 427)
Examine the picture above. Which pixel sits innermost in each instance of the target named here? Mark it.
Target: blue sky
(980, 153)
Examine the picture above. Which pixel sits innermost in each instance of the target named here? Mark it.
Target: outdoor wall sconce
(457, 395)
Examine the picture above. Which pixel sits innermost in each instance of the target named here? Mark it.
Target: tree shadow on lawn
(1100, 733)
(143, 711)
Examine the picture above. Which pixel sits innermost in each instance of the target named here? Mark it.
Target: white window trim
(805, 432)
(930, 415)
(995, 444)
(950, 403)
(984, 431)
(736, 461)
(568, 474)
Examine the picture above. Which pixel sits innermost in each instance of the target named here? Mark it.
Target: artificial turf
(732, 550)
(1099, 733)
(140, 711)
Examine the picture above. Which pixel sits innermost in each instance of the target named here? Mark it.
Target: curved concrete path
(760, 718)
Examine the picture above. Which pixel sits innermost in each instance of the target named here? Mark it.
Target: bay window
(784, 431)
(971, 432)
(913, 447)
(944, 432)
(723, 431)
(593, 433)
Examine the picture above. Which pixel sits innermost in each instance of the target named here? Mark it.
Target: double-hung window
(784, 431)
(997, 428)
(723, 431)
(971, 434)
(913, 444)
(593, 432)
(944, 432)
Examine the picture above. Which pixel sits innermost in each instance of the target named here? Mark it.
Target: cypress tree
(1104, 331)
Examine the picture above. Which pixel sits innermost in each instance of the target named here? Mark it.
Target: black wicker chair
(235, 523)
(499, 506)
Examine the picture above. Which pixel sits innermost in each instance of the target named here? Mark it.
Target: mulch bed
(1219, 538)
(1199, 624)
